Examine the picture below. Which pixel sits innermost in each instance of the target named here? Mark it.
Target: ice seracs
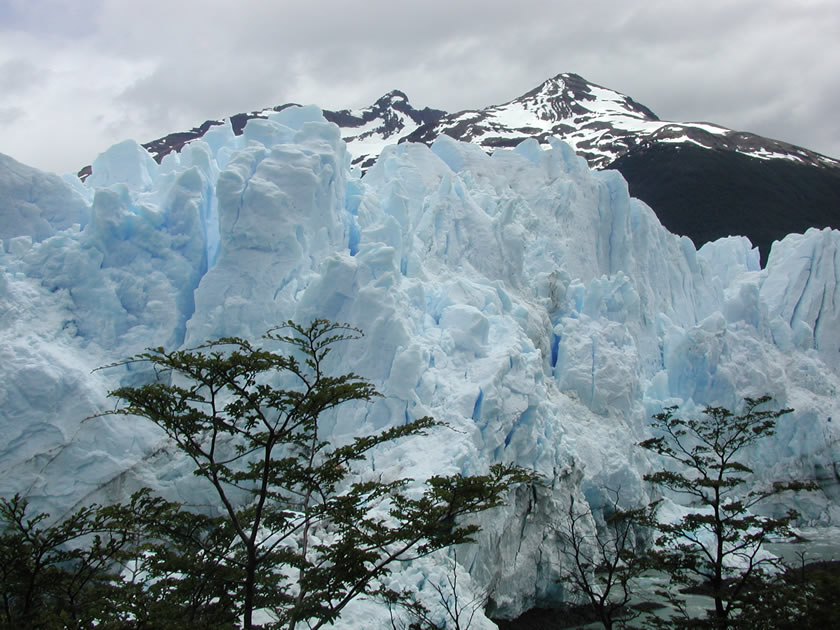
(520, 297)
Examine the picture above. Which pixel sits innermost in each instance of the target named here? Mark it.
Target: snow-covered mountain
(365, 131)
(703, 181)
(600, 124)
(524, 299)
(391, 119)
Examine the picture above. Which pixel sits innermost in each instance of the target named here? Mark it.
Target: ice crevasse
(526, 301)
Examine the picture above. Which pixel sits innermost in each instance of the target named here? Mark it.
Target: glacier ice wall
(528, 302)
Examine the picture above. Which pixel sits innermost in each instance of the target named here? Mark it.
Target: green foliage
(721, 532)
(300, 535)
(798, 597)
(178, 575)
(63, 575)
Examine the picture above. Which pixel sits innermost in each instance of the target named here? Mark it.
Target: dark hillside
(706, 194)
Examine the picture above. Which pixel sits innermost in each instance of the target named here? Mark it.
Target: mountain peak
(600, 124)
(393, 96)
(570, 95)
(568, 79)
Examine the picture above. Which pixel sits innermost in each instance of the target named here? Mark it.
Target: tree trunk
(250, 587)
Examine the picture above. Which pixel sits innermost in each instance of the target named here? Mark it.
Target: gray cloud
(18, 75)
(10, 115)
(177, 94)
(50, 18)
(759, 65)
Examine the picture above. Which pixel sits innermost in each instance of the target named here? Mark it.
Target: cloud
(20, 75)
(169, 94)
(146, 69)
(10, 115)
(50, 18)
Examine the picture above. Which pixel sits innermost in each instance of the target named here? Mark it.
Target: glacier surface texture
(525, 300)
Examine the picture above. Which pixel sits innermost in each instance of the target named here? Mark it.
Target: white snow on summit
(600, 124)
(369, 140)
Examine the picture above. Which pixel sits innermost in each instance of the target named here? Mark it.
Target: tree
(605, 561)
(719, 540)
(178, 575)
(64, 575)
(799, 597)
(457, 613)
(305, 533)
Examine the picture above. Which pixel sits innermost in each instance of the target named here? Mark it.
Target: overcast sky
(79, 75)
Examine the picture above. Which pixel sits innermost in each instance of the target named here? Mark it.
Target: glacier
(523, 299)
